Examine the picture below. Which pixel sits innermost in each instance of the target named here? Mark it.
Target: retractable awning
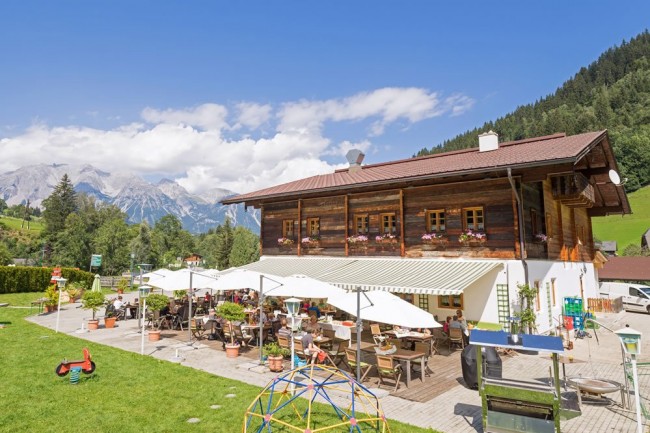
(397, 275)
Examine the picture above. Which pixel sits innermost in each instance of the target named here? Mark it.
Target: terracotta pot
(109, 322)
(154, 335)
(93, 324)
(120, 291)
(50, 308)
(232, 350)
(275, 363)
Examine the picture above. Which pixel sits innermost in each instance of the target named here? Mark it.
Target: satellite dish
(614, 177)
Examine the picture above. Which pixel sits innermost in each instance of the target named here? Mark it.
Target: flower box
(310, 242)
(472, 238)
(435, 239)
(358, 242)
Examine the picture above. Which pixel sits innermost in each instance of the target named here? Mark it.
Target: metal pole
(144, 309)
(132, 258)
(140, 317)
(189, 316)
(637, 397)
(259, 304)
(58, 311)
(358, 333)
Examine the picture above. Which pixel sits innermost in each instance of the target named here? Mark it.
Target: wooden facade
(338, 217)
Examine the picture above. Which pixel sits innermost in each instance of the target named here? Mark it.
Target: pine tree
(60, 204)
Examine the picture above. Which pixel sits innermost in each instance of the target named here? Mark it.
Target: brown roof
(626, 268)
(530, 152)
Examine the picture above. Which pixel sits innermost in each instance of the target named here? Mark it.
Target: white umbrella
(180, 280)
(162, 272)
(302, 286)
(245, 279)
(384, 307)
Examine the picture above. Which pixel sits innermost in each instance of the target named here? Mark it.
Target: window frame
(534, 226)
(288, 233)
(549, 225)
(392, 218)
(538, 301)
(450, 300)
(308, 227)
(428, 219)
(365, 223)
(473, 210)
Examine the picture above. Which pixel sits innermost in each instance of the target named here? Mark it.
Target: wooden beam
(261, 247)
(347, 224)
(299, 227)
(402, 248)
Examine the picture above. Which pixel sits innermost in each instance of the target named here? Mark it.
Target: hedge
(19, 279)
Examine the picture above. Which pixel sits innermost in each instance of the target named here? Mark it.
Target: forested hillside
(612, 93)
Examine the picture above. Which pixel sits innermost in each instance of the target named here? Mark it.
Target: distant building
(193, 261)
(645, 240)
(609, 247)
(629, 269)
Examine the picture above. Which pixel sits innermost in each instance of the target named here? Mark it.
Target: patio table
(401, 355)
(341, 332)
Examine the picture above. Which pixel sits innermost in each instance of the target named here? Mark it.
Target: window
(549, 225)
(553, 290)
(387, 221)
(435, 221)
(287, 229)
(450, 301)
(361, 223)
(313, 227)
(473, 218)
(538, 305)
(533, 222)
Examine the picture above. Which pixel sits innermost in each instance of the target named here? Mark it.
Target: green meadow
(35, 226)
(626, 229)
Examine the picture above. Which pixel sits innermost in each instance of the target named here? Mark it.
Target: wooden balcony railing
(573, 190)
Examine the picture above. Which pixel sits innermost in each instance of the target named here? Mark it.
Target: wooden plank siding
(409, 205)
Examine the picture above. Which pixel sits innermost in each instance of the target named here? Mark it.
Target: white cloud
(252, 115)
(206, 116)
(190, 140)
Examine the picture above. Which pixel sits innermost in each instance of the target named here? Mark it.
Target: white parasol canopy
(384, 307)
(245, 279)
(302, 286)
(180, 280)
(158, 273)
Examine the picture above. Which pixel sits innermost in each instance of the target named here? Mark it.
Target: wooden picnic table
(401, 355)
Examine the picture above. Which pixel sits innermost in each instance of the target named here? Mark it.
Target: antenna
(616, 178)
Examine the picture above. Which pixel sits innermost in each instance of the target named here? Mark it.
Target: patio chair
(337, 355)
(196, 326)
(423, 347)
(241, 336)
(299, 350)
(283, 342)
(351, 358)
(440, 338)
(456, 337)
(377, 335)
(387, 368)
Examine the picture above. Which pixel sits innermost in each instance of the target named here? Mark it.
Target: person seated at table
(401, 329)
(463, 325)
(118, 303)
(207, 297)
(314, 310)
(310, 349)
(284, 330)
(455, 323)
(260, 316)
(312, 324)
(425, 331)
(445, 326)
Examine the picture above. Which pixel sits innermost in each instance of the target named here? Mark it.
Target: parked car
(636, 297)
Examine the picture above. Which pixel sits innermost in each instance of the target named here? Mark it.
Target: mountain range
(139, 199)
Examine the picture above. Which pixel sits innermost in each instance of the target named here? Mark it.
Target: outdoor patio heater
(510, 405)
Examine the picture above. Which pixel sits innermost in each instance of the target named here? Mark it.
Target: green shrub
(21, 279)
(93, 301)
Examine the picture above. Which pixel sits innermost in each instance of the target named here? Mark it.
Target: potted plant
(435, 239)
(122, 285)
(156, 302)
(178, 294)
(310, 242)
(470, 237)
(285, 243)
(358, 242)
(74, 291)
(232, 313)
(93, 301)
(109, 319)
(275, 355)
(52, 298)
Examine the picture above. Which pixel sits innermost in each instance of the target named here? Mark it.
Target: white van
(636, 297)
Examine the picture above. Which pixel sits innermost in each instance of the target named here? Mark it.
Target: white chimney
(355, 158)
(488, 141)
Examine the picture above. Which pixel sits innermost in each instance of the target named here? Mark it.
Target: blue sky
(244, 95)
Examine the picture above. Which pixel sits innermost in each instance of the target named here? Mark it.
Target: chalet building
(460, 229)
(193, 260)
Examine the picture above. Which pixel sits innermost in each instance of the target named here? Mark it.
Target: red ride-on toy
(87, 366)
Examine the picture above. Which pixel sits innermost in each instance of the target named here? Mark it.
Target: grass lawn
(626, 229)
(35, 226)
(127, 392)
